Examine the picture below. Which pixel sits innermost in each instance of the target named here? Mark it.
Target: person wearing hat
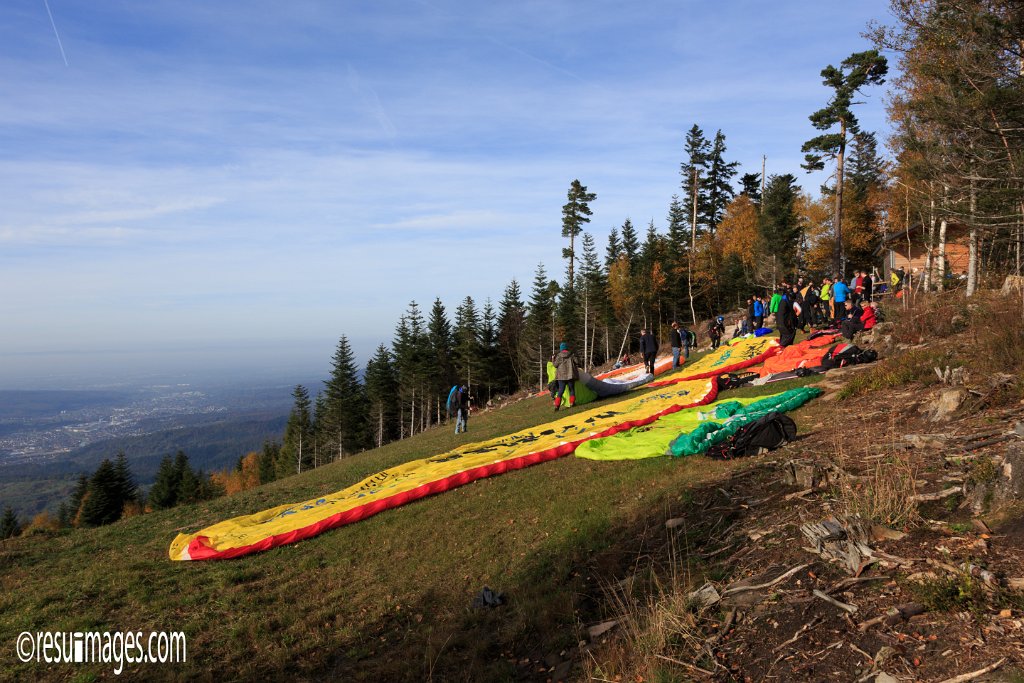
(649, 349)
(566, 373)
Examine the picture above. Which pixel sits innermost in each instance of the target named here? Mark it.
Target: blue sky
(233, 185)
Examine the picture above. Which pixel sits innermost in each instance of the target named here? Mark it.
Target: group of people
(847, 306)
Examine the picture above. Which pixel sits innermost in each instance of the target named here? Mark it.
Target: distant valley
(47, 438)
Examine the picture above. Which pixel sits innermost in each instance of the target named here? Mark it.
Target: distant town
(41, 439)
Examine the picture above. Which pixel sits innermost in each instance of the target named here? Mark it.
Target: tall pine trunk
(838, 253)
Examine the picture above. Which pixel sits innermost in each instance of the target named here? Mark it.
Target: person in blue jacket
(758, 314)
(840, 293)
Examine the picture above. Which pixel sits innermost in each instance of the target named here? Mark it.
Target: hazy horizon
(194, 188)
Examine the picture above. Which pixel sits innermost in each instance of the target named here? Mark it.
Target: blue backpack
(453, 400)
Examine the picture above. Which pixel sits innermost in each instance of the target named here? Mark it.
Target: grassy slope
(384, 599)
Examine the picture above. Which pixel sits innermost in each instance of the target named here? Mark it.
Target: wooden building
(908, 249)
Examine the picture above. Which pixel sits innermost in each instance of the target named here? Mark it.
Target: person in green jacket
(825, 303)
(773, 305)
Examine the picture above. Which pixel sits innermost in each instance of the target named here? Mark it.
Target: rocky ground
(885, 544)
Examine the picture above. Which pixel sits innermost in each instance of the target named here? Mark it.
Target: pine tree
(865, 200)
(189, 484)
(344, 403)
(613, 251)
(575, 214)
(102, 503)
(695, 192)
(780, 226)
(321, 453)
(441, 371)
(510, 368)
(411, 349)
(856, 71)
(127, 491)
(695, 202)
(488, 347)
(718, 183)
(381, 380)
(678, 249)
(77, 496)
(164, 492)
(594, 302)
(9, 524)
(297, 448)
(467, 348)
(750, 185)
(269, 457)
(630, 244)
(539, 324)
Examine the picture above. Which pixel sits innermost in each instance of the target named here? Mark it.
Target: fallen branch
(922, 497)
(894, 616)
(741, 589)
(730, 619)
(692, 667)
(832, 601)
(798, 494)
(989, 442)
(982, 435)
(853, 580)
(862, 653)
(892, 558)
(796, 636)
(962, 678)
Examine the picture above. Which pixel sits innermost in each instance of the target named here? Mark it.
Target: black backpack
(844, 354)
(732, 380)
(768, 432)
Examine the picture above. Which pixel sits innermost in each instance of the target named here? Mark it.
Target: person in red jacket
(858, 287)
(868, 318)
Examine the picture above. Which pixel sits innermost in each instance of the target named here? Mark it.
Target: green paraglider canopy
(694, 430)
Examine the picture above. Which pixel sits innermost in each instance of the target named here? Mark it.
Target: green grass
(383, 599)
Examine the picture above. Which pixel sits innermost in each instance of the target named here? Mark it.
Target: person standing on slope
(675, 339)
(785, 321)
(840, 293)
(758, 313)
(566, 373)
(462, 413)
(649, 349)
(715, 331)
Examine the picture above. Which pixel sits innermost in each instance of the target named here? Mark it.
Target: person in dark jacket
(811, 313)
(749, 327)
(675, 339)
(716, 328)
(797, 299)
(566, 373)
(462, 413)
(649, 349)
(852, 323)
(869, 285)
(785, 321)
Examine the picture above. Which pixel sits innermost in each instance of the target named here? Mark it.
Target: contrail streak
(54, 25)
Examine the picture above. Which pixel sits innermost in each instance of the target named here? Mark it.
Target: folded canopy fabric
(749, 351)
(419, 478)
(692, 431)
(806, 354)
(652, 440)
(589, 389)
